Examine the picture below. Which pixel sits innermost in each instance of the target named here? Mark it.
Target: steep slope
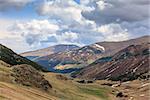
(23, 82)
(47, 51)
(10, 57)
(74, 59)
(128, 64)
(23, 74)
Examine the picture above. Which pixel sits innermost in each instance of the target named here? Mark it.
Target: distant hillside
(47, 51)
(71, 59)
(10, 57)
(113, 47)
(128, 64)
(78, 58)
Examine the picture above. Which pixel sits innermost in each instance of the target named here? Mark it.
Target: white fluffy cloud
(78, 23)
(67, 14)
(35, 31)
(65, 11)
(113, 32)
(67, 36)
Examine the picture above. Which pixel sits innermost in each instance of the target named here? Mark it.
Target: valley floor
(70, 89)
(62, 90)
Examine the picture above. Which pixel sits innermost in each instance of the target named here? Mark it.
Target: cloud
(65, 21)
(67, 14)
(64, 11)
(113, 32)
(110, 11)
(35, 31)
(67, 36)
(16, 44)
(138, 28)
(8, 4)
(87, 18)
(42, 32)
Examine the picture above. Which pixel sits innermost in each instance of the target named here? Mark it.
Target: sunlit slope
(71, 90)
(61, 89)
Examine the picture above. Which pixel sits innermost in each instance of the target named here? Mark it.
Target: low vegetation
(10, 57)
(29, 76)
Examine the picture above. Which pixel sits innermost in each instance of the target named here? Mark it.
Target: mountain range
(100, 71)
(78, 58)
(127, 64)
(22, 79)
(47, 51)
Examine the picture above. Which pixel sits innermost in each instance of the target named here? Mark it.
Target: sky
(33, 24)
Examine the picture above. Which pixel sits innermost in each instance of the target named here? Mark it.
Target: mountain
(69, 61)
(10, 57)
(76, 59)
(21, 81)
(47, 51)
(127, 64)
(113, 47)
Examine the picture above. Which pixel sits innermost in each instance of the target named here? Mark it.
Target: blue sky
(27, 12)
(33, 24)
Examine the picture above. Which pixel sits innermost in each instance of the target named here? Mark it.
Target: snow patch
(101, 47)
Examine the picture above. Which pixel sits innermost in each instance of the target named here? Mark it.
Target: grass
(3, 98)
(62, 89)
(4, 69)
(101, 93)
(71, 90)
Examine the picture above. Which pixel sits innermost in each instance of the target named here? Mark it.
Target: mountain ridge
(12, 58)
(83, 56)
(50, 50)
(128, 64)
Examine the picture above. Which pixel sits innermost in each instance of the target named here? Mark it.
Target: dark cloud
(32, 38)
(118, 11)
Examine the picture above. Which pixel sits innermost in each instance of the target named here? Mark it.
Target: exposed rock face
(29, 76)
(128, 64)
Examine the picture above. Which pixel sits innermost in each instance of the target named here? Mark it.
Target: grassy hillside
(64, 88)
(61, 89)
(71, 90)
(12, 58)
